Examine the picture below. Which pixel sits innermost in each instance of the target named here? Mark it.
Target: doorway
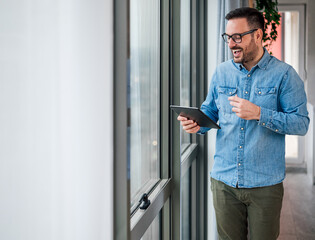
(290, 48)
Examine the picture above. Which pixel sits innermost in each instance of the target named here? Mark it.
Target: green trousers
(241, 209)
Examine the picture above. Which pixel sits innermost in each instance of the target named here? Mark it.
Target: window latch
(144, 202)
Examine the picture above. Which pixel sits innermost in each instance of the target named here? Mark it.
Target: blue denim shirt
(251, 153)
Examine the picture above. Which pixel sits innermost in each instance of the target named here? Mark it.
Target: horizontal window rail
(142, 219)
(188, 157)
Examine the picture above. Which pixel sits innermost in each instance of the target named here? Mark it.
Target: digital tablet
(195, 114)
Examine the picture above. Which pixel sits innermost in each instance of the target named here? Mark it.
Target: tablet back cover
(195, 114)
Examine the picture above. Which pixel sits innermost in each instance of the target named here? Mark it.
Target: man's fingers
(231, 98)
(181, 118)
(236, 110)
(188, 124)
(234, 98)
(193, 130)
(234, 104)
(191, 127)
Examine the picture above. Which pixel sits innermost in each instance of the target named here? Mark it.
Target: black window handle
(144, 202)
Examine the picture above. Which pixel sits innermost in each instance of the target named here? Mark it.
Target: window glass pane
(144, 87)
(153, 232)
(185, 89)
(186, 206)
(291, 39)
(291, 56)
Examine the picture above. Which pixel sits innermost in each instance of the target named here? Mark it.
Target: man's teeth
(236, 51)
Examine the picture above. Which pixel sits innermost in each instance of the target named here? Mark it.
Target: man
(257, 99)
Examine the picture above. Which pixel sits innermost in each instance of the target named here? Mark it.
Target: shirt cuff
(265, 117)
(203, 130)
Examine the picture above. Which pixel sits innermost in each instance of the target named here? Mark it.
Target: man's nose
(231, 43)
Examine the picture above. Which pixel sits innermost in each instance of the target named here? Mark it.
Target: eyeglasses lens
(236, 38)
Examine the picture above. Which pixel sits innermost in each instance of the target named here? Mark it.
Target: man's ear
(259, 35)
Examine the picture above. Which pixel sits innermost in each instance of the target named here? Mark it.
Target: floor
(298, 210)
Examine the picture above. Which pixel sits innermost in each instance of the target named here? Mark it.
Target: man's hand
(244, 108)
(189, 126)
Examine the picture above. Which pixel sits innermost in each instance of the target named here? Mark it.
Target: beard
(238, 54)
(241, 55)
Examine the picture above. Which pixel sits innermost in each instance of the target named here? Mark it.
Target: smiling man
(257, 100)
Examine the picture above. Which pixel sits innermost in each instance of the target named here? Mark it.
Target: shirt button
(242, 129)
(246, 92)
(240, 146)
(259, 92)
(239, 164)
(230, 93)
(248, 75)
(264, 124)
(277, 130)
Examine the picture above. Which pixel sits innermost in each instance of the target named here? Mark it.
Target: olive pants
(241, 209)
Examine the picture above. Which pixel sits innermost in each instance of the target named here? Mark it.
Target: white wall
(310, 51)
(56, 82)
(309, 146)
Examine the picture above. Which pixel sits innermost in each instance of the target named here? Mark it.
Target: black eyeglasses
(237, 37)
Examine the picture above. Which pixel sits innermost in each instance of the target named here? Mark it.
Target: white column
(56, 101)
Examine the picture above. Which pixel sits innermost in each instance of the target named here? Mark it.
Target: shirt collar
(262, 64)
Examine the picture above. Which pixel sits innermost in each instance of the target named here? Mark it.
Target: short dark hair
(254, 18)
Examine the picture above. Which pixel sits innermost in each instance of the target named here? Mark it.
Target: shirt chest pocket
(223, 102)
(266, 97)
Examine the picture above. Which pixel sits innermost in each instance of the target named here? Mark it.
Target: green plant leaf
(272, 19)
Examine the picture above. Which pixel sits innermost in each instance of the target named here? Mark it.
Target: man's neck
(251, 64)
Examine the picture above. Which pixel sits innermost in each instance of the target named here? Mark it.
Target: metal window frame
(125, 226)
(141, 220)
(121, 181)
(175, 151)
(165, 198)
(194, 158)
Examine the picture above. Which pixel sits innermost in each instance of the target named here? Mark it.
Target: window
(185, 76)
(144, 97)
(186, 206)
(153, 232)
(153, 61)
